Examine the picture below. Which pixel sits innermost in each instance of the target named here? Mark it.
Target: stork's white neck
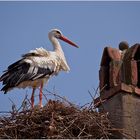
(55, 43)
(58, 49)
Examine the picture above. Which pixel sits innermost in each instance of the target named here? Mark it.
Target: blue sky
(92, 25)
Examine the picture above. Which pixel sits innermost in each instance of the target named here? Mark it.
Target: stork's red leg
(32, 98)
(40, 95)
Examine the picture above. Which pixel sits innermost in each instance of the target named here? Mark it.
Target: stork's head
(58, 34)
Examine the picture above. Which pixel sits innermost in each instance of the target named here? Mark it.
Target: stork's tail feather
(5, 89)
(11, 76)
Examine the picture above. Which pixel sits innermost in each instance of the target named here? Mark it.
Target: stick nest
(57, 119)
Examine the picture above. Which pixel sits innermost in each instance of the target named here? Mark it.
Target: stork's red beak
(68, 41)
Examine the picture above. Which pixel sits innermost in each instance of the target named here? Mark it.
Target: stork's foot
(40, 105)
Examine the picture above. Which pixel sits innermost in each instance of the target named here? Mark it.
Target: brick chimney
(119, 77)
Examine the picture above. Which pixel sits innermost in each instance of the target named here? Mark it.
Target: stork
(36, 67)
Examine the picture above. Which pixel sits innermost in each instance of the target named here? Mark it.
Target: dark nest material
(58, 119)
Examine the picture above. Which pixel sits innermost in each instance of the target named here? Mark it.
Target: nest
(57, 120)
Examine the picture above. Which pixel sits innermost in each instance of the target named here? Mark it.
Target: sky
(91, 25)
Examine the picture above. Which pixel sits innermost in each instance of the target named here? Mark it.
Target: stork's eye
(58, 32)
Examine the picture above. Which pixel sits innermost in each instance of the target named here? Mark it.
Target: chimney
(119, 77)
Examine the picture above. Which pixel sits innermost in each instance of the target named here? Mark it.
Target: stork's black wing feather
(21, 71)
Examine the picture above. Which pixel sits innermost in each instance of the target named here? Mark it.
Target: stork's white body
(53, 60)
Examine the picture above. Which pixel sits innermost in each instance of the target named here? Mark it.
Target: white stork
(36, 67)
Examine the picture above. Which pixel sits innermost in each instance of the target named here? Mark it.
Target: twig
(56, 95)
